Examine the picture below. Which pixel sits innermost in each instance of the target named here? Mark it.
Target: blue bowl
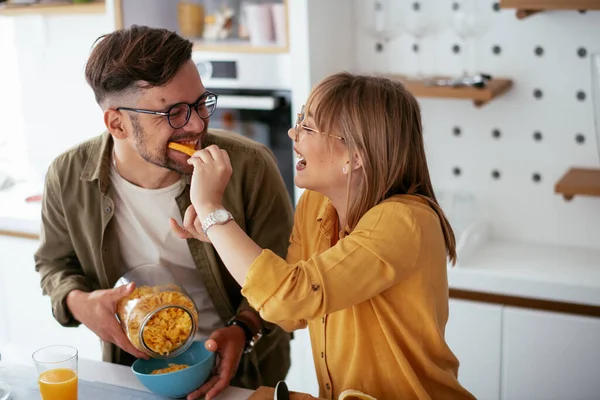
(179, 383)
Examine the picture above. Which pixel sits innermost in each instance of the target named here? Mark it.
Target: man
(107, 205)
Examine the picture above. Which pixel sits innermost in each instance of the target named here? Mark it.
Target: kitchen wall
(518, 207)
(51, 106)
(11, 123)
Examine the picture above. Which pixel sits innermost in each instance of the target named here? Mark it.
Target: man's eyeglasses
(300, 126)
(179, 114)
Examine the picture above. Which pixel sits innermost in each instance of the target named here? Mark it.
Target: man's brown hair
(135, 58)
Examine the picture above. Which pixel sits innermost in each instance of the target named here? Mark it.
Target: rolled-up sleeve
(382, 249)
(269, 212)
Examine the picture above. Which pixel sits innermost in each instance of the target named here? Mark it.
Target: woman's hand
(212, 171)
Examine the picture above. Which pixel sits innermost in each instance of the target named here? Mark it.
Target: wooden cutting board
(267, 393)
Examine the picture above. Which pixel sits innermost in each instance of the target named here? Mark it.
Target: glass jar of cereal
(159, 317)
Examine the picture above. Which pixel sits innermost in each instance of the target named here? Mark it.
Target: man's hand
(192, 226)
(229, 343)
(96, 310)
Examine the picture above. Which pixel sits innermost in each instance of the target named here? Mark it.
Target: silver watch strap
(210, 219)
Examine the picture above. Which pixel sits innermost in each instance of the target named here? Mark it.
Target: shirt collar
(98, 164)
(327, 216)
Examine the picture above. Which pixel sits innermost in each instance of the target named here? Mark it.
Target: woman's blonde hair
(381, 124)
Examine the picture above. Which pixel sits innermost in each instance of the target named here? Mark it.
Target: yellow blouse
(375, 301)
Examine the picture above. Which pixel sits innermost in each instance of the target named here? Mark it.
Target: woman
(366, 267)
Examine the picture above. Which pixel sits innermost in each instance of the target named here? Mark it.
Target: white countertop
(112, 374)
(539, 271)
(16, 215)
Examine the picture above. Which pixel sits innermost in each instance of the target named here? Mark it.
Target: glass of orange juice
(57, 372)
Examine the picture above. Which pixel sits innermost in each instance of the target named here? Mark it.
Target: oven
(263, 116)
(254, 101)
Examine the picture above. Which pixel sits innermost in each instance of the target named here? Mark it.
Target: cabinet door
(550, 356)
(474, 333)
(302, 376)
(26, 321)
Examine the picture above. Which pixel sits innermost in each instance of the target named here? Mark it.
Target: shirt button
(327, 386)
(323, 319)
(322, 355)
(107, 210)
(315, 287)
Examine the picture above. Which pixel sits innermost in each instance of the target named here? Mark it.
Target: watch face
(221, 215)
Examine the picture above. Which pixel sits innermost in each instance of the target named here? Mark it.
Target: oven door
(263, 116)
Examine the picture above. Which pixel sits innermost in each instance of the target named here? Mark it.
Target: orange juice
(58, 384)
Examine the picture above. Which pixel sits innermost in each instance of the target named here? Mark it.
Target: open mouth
(301, 163)
(188, 143)
(184, 146)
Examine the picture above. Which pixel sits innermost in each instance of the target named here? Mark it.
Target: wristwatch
(251, 337)
(218, 217)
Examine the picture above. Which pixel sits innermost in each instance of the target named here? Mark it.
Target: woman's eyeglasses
(300, 126)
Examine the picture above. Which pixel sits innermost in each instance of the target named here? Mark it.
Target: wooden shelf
(579, 182)
(236, 46)
(480, 97)
(525, 8)
(220, 46)
(96, 7)
(23, 235)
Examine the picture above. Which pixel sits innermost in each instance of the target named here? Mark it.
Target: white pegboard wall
(529, 141)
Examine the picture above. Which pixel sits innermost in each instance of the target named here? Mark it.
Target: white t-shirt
(142, 225)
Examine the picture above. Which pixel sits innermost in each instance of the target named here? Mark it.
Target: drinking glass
(471, 19)
(595, 58)
(57, 372)
(460, 208)
(421, 19)
(379, 20)
(4, 391)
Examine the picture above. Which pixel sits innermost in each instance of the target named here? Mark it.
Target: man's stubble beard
(140, 136)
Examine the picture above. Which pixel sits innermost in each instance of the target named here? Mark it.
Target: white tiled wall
(518, 207)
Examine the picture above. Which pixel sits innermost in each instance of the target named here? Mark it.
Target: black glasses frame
(190, 106)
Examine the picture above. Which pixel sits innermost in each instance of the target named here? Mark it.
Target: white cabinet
(302, 376)
(550, 356)
(26, 321)
(474, 334)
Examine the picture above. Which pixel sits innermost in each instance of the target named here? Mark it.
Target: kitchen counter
(555, 273)
(16, 215)
(117, 375)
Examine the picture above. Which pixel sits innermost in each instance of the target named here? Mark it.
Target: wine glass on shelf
(4, 391)
(471, 19)
(4, 388)
(595, 64)
(380, 21)
(422, 19)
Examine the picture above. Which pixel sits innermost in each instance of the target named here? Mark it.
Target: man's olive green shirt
(79, 249)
